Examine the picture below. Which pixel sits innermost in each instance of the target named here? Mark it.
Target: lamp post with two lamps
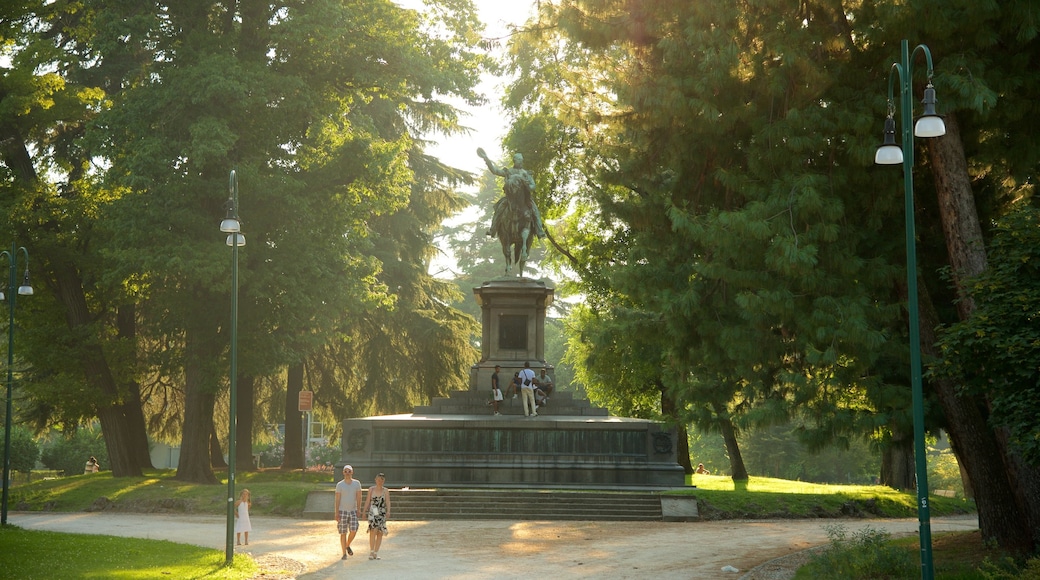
(233, 228)
(12, 293)
(928, 125)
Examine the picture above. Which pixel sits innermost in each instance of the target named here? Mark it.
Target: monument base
(513, 451)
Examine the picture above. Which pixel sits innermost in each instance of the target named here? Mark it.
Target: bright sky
(488, 122)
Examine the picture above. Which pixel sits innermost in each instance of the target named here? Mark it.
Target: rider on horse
(518, 189)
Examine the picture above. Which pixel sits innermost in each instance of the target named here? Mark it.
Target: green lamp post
(25, 290)
(233, 228)
(928, 125)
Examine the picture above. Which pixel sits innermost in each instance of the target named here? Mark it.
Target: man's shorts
(348, 522)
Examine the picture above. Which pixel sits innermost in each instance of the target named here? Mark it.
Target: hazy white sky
(488, 122)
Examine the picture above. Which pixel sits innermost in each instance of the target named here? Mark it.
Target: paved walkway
(471, 549)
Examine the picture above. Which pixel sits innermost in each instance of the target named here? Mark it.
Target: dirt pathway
(500, 549)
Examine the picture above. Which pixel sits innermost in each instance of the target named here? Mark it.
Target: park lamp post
(928, 125)
(25, 290)
(233, 228)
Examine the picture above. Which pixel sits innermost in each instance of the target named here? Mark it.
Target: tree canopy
(115, 169)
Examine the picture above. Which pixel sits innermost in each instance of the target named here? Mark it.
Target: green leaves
(994, 353)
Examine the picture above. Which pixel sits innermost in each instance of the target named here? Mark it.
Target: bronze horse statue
(516, 221)
(514, 226)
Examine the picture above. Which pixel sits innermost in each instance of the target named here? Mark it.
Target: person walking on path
(348, 499)
(377, 506)
(242, 523)
(496, 392)
(527, 382)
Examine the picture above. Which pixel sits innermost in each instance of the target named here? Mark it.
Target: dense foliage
(120, 123)
(24, 449)
(708, 167)
(69, 454)
(995, 351)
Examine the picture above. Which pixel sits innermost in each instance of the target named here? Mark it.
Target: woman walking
(377, 506)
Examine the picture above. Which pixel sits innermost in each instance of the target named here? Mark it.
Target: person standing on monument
(527, 382)
(348, 500)
(496, 392)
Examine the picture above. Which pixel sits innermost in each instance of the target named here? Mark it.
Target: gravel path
(472, 549)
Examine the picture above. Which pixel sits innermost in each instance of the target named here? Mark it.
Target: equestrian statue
(516, 220)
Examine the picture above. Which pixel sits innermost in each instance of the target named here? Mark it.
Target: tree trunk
(956, 203)
(897, 463)
(199, 399)
(729, 435)
(244, 430)
(126, 323)
(1001, 516)
(114, 425)
(293, 458)
(216, 452)
(682, 442)
(1008, 501)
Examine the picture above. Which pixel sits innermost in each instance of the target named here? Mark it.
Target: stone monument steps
(525, 505)
(507, 504)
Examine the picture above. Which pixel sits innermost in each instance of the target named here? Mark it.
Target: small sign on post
(306, 401)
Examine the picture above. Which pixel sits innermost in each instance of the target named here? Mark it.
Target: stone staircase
(507, 504)
(561, 403)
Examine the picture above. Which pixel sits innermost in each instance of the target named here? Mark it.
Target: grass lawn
(28, 555)
(273, 492)
(955, 556)
(764, 497)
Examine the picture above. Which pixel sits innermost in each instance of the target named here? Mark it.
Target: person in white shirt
(527, 382)
(348, 500)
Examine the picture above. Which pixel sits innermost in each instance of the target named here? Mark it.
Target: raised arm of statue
(491, 166)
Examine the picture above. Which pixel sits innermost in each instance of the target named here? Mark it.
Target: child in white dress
(242, 524)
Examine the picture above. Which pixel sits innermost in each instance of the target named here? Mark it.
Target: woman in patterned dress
(377, 506)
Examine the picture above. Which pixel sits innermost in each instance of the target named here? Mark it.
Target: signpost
(306, 401)
(306, 405)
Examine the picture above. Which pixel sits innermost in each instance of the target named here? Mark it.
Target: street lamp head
(236, 239)
(26, 288)
(230, 223)
(888, 153)
(929, 124)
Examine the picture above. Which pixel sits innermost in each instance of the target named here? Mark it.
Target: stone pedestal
(512, 317)
(509, 451)
(456, 441)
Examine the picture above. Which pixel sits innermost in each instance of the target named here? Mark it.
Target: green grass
(871, 555)
(285, 493)
(719, 497)
(28, 555)
(273, 493)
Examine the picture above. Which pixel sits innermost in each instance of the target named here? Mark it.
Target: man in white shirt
(527, 382)
(348, 499)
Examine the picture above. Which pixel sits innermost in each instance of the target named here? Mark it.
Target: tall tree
(715, 159)
(316, 105)
(52, 194)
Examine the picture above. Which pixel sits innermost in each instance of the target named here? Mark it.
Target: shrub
(24, 450)
(271, 454)
(69, 454)
(865, 555)
(1008, 570)
(322, 454)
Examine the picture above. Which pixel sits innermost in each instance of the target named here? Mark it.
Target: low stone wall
(556, 452)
